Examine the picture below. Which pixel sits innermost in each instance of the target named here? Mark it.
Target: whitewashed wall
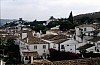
(50, 32)
(24, 35)
(98, 45)
(79, 39)
(87, 29)
(39, 49)
(70, 46)
(98, 34)
(78, 32)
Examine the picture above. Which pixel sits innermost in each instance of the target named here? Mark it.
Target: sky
(43, 9)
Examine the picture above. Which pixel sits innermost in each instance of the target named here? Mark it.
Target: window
(44, 46)
(26, 58)
(97, 50)
(35, 47)
(62, 46)
(89, 42)
(84, 29)
(54, 46)
(27, 47)
(88, 34)
(98, 43)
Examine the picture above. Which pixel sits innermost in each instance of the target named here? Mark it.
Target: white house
(82, 30)
(89, 35)
(31, 47)
(96, 42)
(70, 45)
(62, 43)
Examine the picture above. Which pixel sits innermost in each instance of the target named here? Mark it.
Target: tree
(51, 18)
(56, 55)
(10, 41)
(53, 24)
(70, 17)
(10, 50)
(39, 27)
(66, 25)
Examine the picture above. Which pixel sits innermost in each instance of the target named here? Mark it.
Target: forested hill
(88, 17)
(3, 21)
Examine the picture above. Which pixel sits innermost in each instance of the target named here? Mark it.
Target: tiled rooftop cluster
(88, 61)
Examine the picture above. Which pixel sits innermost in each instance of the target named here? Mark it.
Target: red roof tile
(30, 53)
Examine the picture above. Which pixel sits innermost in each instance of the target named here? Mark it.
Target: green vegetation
(53, 24)
(8, 51)
(39, 28)
(64, 23)
(62, 55)
(87, 18)
(70, 17)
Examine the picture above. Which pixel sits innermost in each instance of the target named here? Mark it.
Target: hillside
(89, 17)
(3, 21)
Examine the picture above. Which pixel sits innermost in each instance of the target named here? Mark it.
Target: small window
(97, 50)
(44, 46)
(35, 47)
(27, 47)
(84, 29)
(70, 49)
(62, 46)
(54, 46)
(89, 42)
(88, 34)
(98, 43)
(26, 58)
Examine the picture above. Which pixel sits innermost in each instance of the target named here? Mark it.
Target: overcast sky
(43, 9)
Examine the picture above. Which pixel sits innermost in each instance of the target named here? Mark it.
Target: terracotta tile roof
(90, 25)
(24, 40)
(94, 39)
(47, 37)
(13, 28)
(2, 32)
(23, 31)
(60, 41)
(2, 28)
(42, 62)
(33, 40)
(86, 46)
(58, 37)
(56, 30)
(8, 36)
(30, 54)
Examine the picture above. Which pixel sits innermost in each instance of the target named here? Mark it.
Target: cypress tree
(70, 17)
